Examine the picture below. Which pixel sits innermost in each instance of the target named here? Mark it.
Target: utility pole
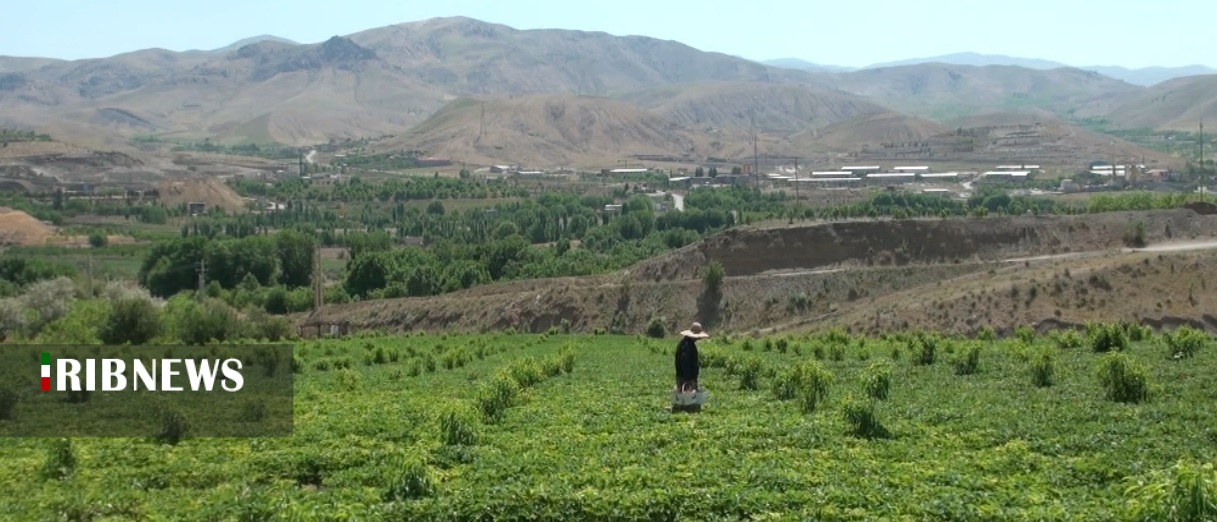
(796, 179)
(317, 283)
(202, 278)
(1203, 170)
(90, 277)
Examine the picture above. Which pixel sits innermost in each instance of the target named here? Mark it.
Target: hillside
(858, 270)
(1144, 76)
(1016, 137)
(1177, 104)
(381, 81)
(735, 106)
(869, 130)
(548, 130)
(943, 91)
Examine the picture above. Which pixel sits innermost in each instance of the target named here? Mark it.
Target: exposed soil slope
(829, 269)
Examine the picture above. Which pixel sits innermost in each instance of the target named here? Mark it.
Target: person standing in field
(688, 362)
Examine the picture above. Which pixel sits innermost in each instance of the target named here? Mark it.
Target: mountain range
(465, 88)
(1144, 76)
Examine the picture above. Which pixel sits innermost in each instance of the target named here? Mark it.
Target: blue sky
(842, 32)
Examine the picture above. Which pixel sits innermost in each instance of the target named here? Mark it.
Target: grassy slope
(985, 446)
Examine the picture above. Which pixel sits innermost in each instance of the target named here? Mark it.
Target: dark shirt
(687, 361)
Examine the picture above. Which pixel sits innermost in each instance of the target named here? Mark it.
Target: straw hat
(695, 332)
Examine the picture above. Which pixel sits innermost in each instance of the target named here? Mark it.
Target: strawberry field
(1114, 423)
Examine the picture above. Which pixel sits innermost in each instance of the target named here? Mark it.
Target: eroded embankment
(919, 241)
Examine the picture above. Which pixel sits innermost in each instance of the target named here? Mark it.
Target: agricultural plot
(1112, 424)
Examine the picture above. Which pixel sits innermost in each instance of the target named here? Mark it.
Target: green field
(467, 428)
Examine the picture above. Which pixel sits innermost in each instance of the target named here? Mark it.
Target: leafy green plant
(60, 461)
(1123, 379)
(1107, 337)
(861, 419)
(924, 348)
(1183, 493)
(1043, 367)
(1184, 342)
(750, 373)
(411, 480)
(496, 395)
(1068, 339)
(458, 426)
(174, 426)
(967, 361)
(877, 380)
(807, 382)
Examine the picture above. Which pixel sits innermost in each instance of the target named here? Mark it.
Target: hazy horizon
(1079, 34)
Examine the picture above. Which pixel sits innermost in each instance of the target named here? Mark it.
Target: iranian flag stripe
(46, 371)
(46, 384)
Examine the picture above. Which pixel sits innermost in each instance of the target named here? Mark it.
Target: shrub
(174, 426)
(1107, 338)
(967, 361)
(877, 380)
(986, 333)
(924, 348)
(1042, 368)
(566, 358)
(1122, 379)
(1184, 342)
(861, 419)
(1186, 491)
(526, 372)
(713, 278)
(49, 300)
(656, 329)
(1069, 339)
(413, 480)
(349, 379)
(60, 460)
(498, 394)
(807, 382)
(8, 403)
(749, 373)
(458, 426)
(1025, 334)
(253, 410)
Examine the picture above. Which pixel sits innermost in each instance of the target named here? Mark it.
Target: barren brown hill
(793, 276)
(869, 130)
(464, 56)
(375, 82)
(780, 109)
(548, 130)
(941, 91)
(1178, 104)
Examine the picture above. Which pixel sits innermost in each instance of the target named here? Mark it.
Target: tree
(714, 172)
(295, 252)
(131, 320)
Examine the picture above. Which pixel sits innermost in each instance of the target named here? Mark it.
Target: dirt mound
(1203, 208)
(1160, 290)
(20, 229)
(914, 241)
(210, 191)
